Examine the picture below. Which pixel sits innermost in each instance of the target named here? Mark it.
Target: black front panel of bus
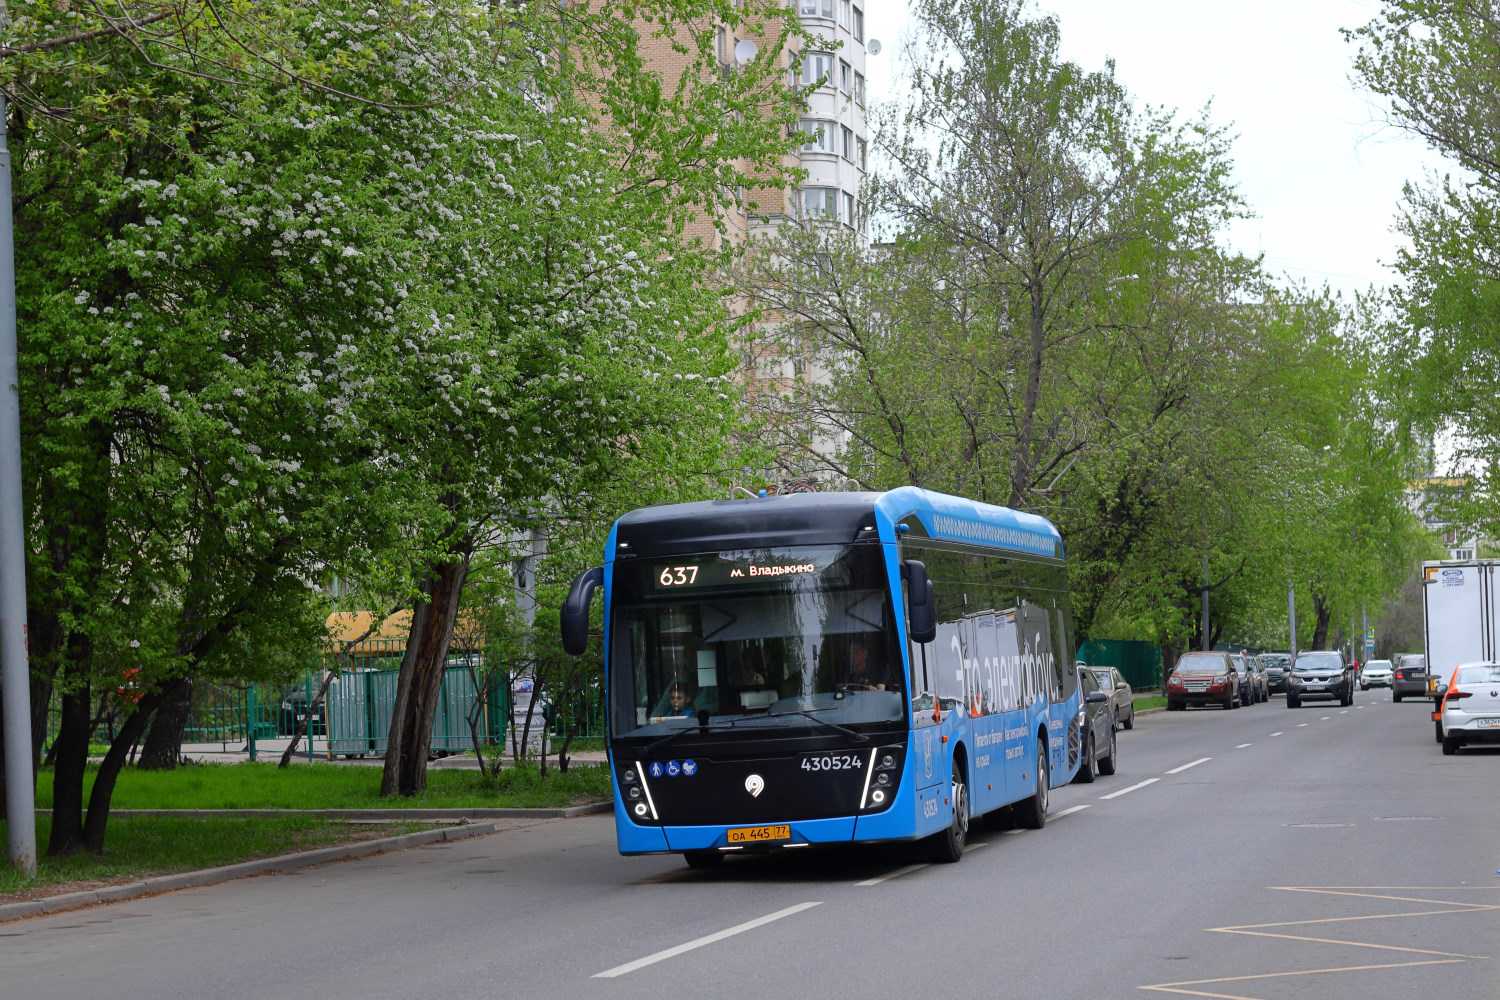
(703, 789)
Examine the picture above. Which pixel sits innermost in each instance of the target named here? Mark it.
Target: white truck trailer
(1460, 621)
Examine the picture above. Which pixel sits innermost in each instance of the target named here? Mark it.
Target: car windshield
(1378, 665)
(1200, 665)
(1274, 662)
(754, 637)
(1482, 673)
(1102, 676)
(1415, 661)
(1320, 661)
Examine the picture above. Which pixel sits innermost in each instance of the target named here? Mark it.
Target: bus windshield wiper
(701, 727)
(807, 713)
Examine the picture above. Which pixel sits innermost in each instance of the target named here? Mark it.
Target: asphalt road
(1260, 853)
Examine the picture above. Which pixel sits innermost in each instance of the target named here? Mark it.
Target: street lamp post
(15, 679)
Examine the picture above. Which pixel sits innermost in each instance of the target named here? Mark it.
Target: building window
(810, 7)
(820, 203)
(859, 147)
(820, 137)
(817, 69)
(814, 8)
(859, 89)
(847, 146)
(846, 77)
(859, 25)
(843, 13)
(849, 209)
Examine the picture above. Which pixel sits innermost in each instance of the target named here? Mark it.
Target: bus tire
(703, 859)
(948, 846)
(1032, 813)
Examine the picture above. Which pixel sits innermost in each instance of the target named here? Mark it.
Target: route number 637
(676, 576)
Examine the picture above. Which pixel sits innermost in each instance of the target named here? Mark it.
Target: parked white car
(1471, 707)
(1377, 673)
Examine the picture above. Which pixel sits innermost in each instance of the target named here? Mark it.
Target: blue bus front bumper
(896, 823)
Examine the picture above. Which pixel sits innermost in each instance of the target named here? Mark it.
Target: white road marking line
(1068, 811)
(660, 956)
(895, 874)
(970, 847)
(1275, 734)
(1195, 763)
(1142, 784)
(1325, 718)
(1301, 724)
(1244, 745)
(1344, 712)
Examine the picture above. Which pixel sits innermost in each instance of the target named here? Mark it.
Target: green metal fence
(1137, 660)
(354, 716)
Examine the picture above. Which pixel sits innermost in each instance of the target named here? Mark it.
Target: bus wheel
(1032, 813)
(703, 859)
(948, 846)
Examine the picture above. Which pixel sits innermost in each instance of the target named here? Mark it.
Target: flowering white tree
(341, 310)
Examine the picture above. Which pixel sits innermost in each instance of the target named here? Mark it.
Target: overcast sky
(1312, 160)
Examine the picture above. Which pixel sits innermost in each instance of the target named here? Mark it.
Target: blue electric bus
(831, 668)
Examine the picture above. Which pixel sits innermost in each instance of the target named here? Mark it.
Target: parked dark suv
(1277, 665)
(1321, 675)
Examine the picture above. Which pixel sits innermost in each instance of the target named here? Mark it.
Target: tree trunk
(163, 747)
(307, 717)
(421, 678)
(1022, 462)
(72, 756)
(1171, 652)
(1322, 615)
(119, 748)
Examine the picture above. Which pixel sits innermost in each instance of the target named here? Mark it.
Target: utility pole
(1291, 614)
(15, 675)
(1206, 644)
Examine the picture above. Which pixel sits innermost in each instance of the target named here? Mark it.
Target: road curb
(261, 866)
(559, 812)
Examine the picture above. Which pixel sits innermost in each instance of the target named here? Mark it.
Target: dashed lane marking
(1325, 718)
(707, 939)
(1123, 791)
(895, 874)
(1301, 724)
(1275, 734)
(1244, 745)
(1194, 763)
(1068, 811)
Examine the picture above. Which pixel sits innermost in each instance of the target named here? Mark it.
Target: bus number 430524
(832, 762)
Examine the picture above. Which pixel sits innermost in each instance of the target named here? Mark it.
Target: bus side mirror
(921, 606)
(575, 610)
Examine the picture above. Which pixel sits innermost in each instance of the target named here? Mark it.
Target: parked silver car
(1121, 697)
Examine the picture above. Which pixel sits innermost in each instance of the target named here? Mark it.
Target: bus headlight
(633, 789)
(881, 779)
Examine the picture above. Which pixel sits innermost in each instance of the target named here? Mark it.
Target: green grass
(1150, 701)
(335, 786)
(140, 846)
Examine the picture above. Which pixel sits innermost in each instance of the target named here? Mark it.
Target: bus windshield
(754, 638)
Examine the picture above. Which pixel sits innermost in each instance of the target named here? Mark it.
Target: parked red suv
(1206, 678)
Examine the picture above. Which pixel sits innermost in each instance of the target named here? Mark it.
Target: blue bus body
(837, 761)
